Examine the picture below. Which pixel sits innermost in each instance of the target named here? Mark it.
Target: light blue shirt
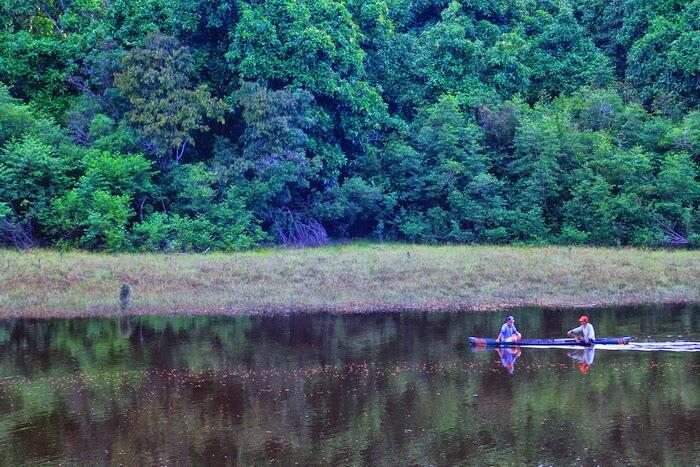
(507, 331)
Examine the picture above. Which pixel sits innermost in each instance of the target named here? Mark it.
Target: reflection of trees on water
(355, 389)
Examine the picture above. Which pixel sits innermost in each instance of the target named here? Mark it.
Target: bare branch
(19, 235)
(672, 236)
(180, 151)
(296, 230)
(44, 9)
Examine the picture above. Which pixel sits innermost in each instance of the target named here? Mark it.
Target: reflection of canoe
(484, 341)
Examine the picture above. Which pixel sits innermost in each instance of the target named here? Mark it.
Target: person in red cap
(585, 331)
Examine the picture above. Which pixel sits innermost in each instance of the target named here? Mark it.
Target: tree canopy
(187, 126)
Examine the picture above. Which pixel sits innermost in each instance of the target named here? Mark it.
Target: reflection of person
(585, 330)
(584, 357)
(508, 331)
(508, 357)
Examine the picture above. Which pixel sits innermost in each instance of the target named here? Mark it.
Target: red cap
(583, 368)
(583, 319)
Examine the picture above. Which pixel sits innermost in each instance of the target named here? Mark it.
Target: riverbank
(350, 278)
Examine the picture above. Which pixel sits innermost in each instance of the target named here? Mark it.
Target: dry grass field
(350, 278)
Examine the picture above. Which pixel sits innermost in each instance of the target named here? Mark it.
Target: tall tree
(167, 107)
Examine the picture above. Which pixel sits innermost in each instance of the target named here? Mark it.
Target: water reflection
(585, 358)
(508, 357)
(374, 389)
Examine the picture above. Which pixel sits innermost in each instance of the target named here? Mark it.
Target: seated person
(508, 331)
(585, 331)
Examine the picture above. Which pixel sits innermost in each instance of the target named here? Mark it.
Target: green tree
(536, 169)
(226, 225)
(95, 214)
(16, 119)
(562, 57)
(314, 46)
(31, 175)
(678, 197)
(166, 106)
(663, 64)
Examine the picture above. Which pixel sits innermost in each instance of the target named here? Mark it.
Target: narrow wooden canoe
(484, 341)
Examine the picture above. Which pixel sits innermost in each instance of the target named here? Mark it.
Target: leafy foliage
(165, 107)
(172, 125)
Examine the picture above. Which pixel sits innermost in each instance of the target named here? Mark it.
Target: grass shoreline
(343, 279)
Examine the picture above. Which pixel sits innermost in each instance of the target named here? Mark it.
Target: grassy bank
(347, 279)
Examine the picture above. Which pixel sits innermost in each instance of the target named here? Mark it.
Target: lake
(350, 389)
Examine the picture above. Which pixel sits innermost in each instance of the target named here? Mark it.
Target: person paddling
(508, 331)
(586, 331)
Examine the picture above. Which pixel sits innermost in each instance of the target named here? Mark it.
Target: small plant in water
(124, 297)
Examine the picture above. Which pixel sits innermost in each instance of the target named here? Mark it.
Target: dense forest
(180, 125)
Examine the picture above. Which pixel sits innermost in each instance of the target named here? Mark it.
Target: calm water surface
(366, 389)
